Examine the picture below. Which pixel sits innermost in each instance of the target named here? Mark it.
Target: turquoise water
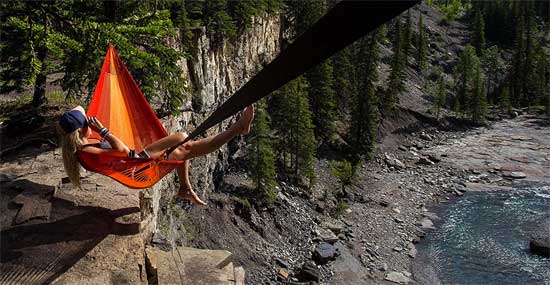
(482, 238)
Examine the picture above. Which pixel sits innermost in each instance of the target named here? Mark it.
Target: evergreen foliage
(33, 41)
(495, 68)
(422, 45)
(343, 171)
(440, 98)
(452, 10)
(396, 83)
(478, 104)
(320, 78)
(504, 99)
(528, 70)
(70, 37)
(261, 160)
(478, 34)
(364, 123)
(465, 72)
(218, 21)
(343, 74)
(322, 100)
(304, 14)
(292, 120)
(407, 38)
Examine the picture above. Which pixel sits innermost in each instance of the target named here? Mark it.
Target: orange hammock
(119, 104)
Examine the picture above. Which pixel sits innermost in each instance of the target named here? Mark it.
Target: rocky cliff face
(214, 73)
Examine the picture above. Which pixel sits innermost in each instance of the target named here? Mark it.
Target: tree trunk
(109, 11)
(39, 96)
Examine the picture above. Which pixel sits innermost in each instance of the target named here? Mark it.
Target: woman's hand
(95, 124)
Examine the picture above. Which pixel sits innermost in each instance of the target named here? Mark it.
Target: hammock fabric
(119, 104)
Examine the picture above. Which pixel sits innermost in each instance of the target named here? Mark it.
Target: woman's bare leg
(186, 191)
(197, 148)
(209, 144)
(158, 148)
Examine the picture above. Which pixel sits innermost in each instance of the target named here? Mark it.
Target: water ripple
(481, 238)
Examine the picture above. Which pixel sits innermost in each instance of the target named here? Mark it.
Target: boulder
(426, 137)
(540, 246)
(514, 175)
(426, 224)
(309, 272)
(327, 236)
(424, 161)
(539, 243)
(394, 162)
(282, 263)
(434, 157)
(324, 252)
(334, 227)
(419, 145)
(397, 277)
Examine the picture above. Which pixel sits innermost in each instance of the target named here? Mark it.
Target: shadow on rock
(38, 253)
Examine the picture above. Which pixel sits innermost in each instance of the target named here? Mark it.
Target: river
(483, 238)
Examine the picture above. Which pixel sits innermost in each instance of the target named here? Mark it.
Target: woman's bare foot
(190, 195)
(246, 119)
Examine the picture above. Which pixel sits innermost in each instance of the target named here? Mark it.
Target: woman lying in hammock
(77, 131)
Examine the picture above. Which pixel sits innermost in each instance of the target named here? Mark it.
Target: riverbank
(477, 160)
(382, 215)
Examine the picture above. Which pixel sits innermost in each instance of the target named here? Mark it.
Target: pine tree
(39, 38)
(478, 34)
(441, 97)
(261, 160)
(396, 76)
(504, 99)
(422, 46)
(543, 71)
(494, 67)
(195, 11)
(364, 125)
(218, 21)
(343, 79)
(478, 102)
(34, 43)
(524, 73)
(322, 100)
(407, 38)
(320, 78)
(465, 74)
(305, 14)
(292, 120)
(531, 78)
(180, 19)
(517, 68)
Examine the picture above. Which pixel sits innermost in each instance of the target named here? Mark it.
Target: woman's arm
(116, 144)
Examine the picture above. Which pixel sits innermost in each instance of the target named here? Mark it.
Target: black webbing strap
(341, 26)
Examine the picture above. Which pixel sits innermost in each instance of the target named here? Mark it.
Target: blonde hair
(70, 144)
